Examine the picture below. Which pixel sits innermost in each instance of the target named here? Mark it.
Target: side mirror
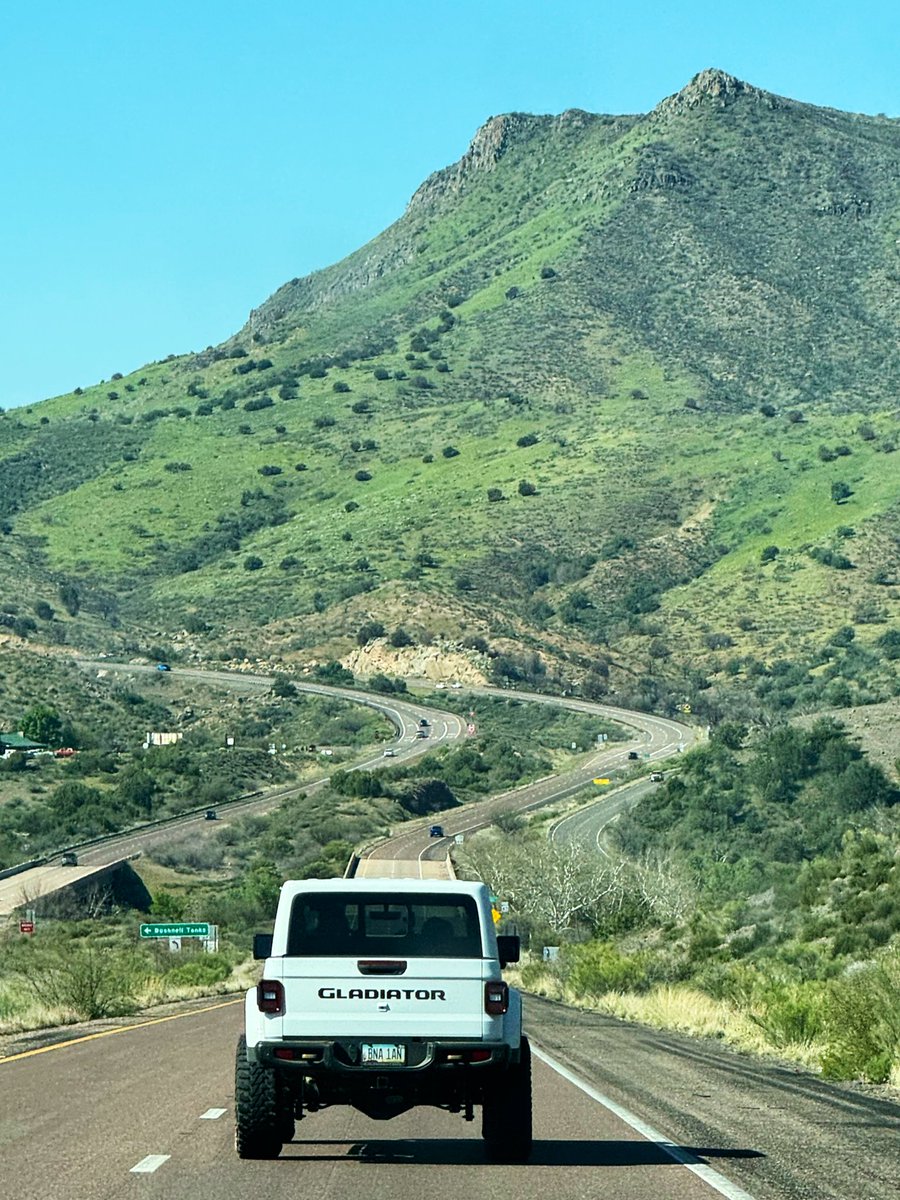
(508, 948)
(262, 945)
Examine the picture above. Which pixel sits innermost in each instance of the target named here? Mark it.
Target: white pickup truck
(383, 994)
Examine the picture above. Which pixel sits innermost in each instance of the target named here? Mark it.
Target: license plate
(383, 1054)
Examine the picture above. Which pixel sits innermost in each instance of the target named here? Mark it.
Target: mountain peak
(716, 86)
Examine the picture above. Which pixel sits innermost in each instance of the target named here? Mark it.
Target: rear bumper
(315, 1056)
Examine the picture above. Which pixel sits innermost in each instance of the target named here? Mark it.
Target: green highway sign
(198, 929)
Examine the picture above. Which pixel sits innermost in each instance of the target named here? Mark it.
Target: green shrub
(789, 1012)
(862, 1019)
(596, 967)
(200, 971)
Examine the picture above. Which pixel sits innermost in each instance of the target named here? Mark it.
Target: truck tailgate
(347, 997)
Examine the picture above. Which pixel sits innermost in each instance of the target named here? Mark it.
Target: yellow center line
(90, 1037)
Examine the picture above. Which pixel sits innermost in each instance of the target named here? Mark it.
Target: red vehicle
(65, 752)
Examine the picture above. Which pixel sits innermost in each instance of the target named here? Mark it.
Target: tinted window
(379, 926)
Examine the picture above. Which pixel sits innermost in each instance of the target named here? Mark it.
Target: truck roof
(465, 887)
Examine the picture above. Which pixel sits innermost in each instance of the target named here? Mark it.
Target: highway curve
(144, 1108)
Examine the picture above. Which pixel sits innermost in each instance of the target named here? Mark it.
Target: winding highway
(117, 1110)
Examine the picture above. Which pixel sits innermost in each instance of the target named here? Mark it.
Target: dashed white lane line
(150, 1164)
(213, 1114)
(710, 1176)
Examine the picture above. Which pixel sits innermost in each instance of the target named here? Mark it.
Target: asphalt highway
(145, 1108)
(147, 1111)
(621, 1112)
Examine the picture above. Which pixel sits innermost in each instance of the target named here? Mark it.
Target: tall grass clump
(862, 1018)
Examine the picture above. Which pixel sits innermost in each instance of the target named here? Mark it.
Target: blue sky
(166, 166)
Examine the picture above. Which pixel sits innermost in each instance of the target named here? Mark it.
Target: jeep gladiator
(383, 995)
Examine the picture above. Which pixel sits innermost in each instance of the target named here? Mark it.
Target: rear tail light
(297, 1054)
(467, 1056)
(270, 996)
(496, 998)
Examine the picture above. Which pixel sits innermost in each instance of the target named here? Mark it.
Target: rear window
(378, 926)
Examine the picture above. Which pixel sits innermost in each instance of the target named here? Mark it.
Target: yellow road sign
(601, 781)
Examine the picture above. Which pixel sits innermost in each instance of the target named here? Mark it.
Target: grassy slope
(704, 253)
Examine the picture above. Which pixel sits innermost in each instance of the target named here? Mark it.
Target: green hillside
(613, 404)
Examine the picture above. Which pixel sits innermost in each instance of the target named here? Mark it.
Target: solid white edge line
(149, 1164)
(213, 1114)
(705, 1172)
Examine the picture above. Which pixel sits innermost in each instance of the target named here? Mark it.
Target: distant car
(65, 752)
(421, 733)
(422, 721)
(436, 831)
(456, 685)
(440, 685)
(656, 776)
(163, 667)
(632, 754)
(70, 859)
(212, 815)
(389, 753)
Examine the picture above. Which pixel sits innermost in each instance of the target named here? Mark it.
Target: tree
(136, 789)
(889, 644)
(526, 488)
(840, 491)
(252, 562)
(282, 686)
(494, 495)
(332, 672)
(71, 601)
(552, 886)
(369, 632)
(42, 724)
(400, 638)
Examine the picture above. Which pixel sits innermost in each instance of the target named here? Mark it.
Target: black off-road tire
(506, 1112)
(258, 1122)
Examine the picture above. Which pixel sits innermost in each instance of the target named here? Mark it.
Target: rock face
(437, 663)
(719, 88)
(492, 141)
(487, 147)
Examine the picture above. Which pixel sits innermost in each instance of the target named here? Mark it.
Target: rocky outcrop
(440, 662)
(490, 144)
(717, 88)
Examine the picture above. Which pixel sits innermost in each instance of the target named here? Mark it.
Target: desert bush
(862, 1019)
(89, 981)
(789, 1012)
(202, 971)
(593, 968)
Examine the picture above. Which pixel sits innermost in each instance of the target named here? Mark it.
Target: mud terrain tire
(258, 1122)
(506, 1112)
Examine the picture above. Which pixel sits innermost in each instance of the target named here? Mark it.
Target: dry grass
(685, 1010)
